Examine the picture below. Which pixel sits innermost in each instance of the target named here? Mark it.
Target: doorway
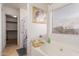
(11, 30)
(11, 41)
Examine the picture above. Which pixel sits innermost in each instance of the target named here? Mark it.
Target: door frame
(18, 40)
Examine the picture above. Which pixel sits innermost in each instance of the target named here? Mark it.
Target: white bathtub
(59, 47)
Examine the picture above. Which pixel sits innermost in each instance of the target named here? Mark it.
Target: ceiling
(56, 6)
(24, 5)
(16, 5)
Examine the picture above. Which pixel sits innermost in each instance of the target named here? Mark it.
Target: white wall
(37, 28)
(66, 15)
(3, 28)
(0, 29)
(10, 11)
(23, 25)
(32, 30)
(72, 40)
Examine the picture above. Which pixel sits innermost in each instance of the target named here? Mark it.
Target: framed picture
(39, 15)
(66, 26)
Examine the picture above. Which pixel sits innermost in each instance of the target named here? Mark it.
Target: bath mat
(21, 51)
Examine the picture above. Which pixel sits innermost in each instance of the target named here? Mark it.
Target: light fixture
(15, 16)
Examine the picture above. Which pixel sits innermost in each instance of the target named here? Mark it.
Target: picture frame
(39, 15)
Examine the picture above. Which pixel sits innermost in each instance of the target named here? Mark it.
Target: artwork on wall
(39, 15)
(69, 26)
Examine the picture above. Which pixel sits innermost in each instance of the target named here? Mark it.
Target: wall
(0, 29)
(37, 28)
(32, 30)
(23, 25)
(66, 15)
(10, 11)
(72, 40)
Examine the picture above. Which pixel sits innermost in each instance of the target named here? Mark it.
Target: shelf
(11, 22)
(11, 16)
(11, 30)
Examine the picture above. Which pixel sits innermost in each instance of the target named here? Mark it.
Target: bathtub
(58, 47)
